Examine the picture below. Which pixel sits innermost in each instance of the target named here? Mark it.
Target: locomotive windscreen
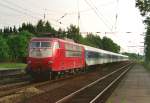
(40, 49)
(40, 44)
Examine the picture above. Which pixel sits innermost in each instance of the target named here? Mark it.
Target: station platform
(134, 88)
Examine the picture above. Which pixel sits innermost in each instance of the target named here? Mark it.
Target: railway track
(7, 90)
(14, 79)
(13, 76)
(9, 73)
(94, 92)
(15, 87)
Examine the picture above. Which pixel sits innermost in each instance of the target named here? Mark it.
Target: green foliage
(6, 66)
(73, 33)
(1, 31)
(44, 27)
(18, 45)
(21, 44)
(147, 65)
(49, 28)
(93, 40)
(4, 50)
(15, 29)
(109, 45)
(147, 45)
(40, 29)
(27, 27)
(15, 41)
(134, 56)
(144, 7)
(27, 34)
(40, 26)
(61, 33)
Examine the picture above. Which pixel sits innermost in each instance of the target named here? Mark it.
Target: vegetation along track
(93, 92)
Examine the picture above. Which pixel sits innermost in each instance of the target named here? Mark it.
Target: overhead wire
(30, 13)
(48, 12)
(99, 11)
(23, 11)
(116, 16)
(16, 10)
(87, 10)
(99, 16)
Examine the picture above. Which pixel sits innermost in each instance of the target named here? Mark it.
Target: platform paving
(134, 88)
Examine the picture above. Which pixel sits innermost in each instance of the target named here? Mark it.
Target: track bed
(55, 92)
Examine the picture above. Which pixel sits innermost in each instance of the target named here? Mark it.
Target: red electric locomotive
(48, 56)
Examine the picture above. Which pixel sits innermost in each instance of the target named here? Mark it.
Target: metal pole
(78, 12)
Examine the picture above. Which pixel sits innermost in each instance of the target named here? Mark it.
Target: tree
(147, 45)
(30, 28)
(40, 26)
(144, 7)
(48, 27)
(93, 40)
(6, 30)
(18, 45)
(109, 45)
(61, 33)
(10, 30)
(15, 29)
(134, 56)
(27, 27)
(23, 27)
(4, 50)
(73, 33)
(1, 31)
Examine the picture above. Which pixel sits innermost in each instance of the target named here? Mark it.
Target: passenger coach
(94, 56)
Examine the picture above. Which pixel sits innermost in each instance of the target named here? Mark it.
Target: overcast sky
(95, 16)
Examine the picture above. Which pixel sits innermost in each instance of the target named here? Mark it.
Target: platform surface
(134, 88)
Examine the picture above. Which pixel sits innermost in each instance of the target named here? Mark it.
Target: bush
(147, 65)
(4, 50)
(18, 45)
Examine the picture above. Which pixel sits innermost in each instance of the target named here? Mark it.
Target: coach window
(96, 55)
(110, 56)
(104, 56)
(100, 55)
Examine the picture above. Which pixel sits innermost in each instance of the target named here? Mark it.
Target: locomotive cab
(49, 56)
(41, 55)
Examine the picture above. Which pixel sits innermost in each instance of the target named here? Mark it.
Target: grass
(5, 66)
(146, 65)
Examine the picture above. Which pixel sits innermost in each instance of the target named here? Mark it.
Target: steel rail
(109, 86)
(89, 85)
(28, 85)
